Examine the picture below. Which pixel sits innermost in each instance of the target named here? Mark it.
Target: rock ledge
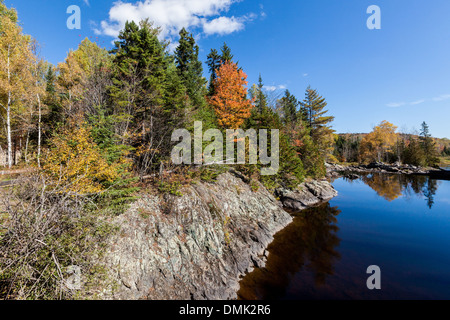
(199, 245)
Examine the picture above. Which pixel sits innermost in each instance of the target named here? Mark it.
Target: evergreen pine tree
(312, 107)
(308, 151)
(214, 62)
(139, 56)
(55, 114)
(226, 54)
(145, 93)
(190, 68)
(258, 96)
(428, 146)
(413, 153)
(261, 102)
(289, 105)
(291, 172)
(50, 78)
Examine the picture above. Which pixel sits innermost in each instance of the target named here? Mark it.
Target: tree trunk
(39, 131)
(8, 115)
(14, 152)
(26, 146)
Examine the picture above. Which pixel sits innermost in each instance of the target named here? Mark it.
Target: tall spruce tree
(189, 68)
(227, 56)
(55, 116)
(50, 78)
(428, 145)
(139, 75)
(214, 61)
(143, 94)
(312, 107)
(140, 55)
(258, 96)
(289, 105)
(261, 102)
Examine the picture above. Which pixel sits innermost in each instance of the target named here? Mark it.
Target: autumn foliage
(76, 162)
(230, 99)
(376, 145)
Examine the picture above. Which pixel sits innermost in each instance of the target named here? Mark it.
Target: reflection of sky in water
(383, 221)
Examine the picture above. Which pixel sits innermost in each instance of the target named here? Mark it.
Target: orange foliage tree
(230, 99)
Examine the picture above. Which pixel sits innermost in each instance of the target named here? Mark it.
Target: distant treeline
(385, 144)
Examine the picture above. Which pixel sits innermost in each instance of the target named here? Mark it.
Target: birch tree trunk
(39, 131)
(8, 113)
(26, 146)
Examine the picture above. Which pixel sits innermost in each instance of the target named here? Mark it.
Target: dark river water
(399, 223)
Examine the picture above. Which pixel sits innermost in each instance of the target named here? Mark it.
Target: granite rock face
(308, 194)
(197, 246)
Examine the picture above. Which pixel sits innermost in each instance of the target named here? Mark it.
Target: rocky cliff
(199, 245)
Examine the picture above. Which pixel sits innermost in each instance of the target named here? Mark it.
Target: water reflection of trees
(392, 186)
(309, 243)
(430, 191)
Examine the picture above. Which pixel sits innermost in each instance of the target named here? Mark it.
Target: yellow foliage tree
(376, 145)
(16, 61)
(75, 71)
(386, 186)
(70, 81)
(75, 161)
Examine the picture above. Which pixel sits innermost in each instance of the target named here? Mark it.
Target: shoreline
(205, 242)
(353, 171)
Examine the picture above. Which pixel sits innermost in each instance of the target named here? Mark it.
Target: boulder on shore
(307, 194)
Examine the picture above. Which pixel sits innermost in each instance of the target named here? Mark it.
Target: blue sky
(400, 73)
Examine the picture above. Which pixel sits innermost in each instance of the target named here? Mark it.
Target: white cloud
(274, 88)
(223, 25)
(305, 74)
(172, 15)
(417, 102)
(442, 97)
(395, 104)
(263, 13)
(86, 2)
